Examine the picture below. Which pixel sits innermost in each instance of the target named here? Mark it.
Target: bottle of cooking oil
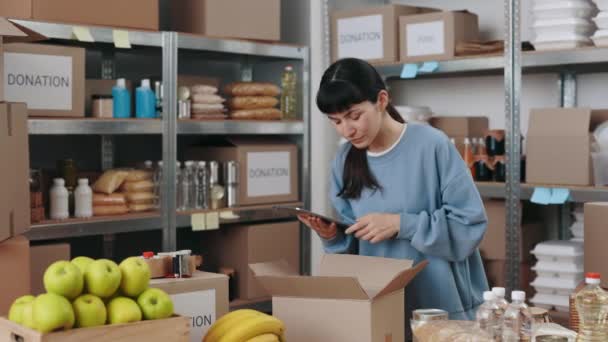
(288, 93)
(517, 321)
(592, 305)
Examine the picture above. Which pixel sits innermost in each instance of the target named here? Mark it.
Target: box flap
(273, 268)
(402, 279)
(8, 29)
(565, 122)
(15, 33)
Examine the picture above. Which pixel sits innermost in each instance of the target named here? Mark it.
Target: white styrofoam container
(561, 44)
(601, 20)
(559, 251)
(545, 301)
(563, 9)
(575, 272)
(600, 38)
(566, 26)
(555, 286)
(602, 5)
(578, 229)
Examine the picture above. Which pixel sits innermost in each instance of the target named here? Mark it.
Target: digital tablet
(300, 211)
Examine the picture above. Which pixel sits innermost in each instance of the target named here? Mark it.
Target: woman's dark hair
(345, 83)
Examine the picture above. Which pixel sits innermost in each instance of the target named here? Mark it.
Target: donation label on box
(200, 306)
(41, 81)
(268, 173)
(361, 37)
(426, 38)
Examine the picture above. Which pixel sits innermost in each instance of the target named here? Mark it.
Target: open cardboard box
(350, 288)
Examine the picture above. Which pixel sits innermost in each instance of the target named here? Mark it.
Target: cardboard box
(434, 36)
(15, 266)
(8, 32)
(369, 33)
(558, 145)
(460, 127)
(238, 246)
(260, 20)
(42, 257)
(137, 14)
(493, 245)
(100, 87)
(496, 271)
(55, 88)
(268, 169)
(350, 288)
(14, 176)
(203, 298)
(596, 235)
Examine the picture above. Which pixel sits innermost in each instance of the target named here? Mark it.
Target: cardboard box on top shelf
(240, 246)
(203, 298)
(244, 19)
(350, 288)
(434, 36)
(100, 87)
(14, 176)
(137, 14)
(460, 127)
(15, 266)
(559, 145)
(268, 168)
(370, 33)
(596, 235)
(42, 257)
(55, 88)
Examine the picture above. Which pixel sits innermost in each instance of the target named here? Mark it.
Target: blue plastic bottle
(121, 100)
(145, 101)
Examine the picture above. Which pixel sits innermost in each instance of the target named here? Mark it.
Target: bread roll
(110, 181)
(203, 89)
(251, 89)
(207, 99)
(252, 102)
(107, 200)
(138, 175)
(140, 197)
(110, 210)
(136, 208)
(141, 186)
(257, 114)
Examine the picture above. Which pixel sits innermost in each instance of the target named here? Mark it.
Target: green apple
(52, 312)
(15, 313)
(123, 310)
(63, 278)
(89, 311)
(82, 262)
(28, 315)
(102, 278)
(155, 304)
(135, 276)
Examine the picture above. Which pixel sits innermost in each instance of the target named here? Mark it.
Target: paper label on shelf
(198, 221)
(425, 39)
(361, 37)
(121, 39)
(268, 174)
(429, 66)
(409, 71)
(83, 34)
(559, 196)
(213, 220)
(200, 307)
(41, 81)
(541, 196)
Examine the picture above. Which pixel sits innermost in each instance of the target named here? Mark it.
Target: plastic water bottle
(179, 203)
(517, 321)
(158, 181)
(487, 315)
(202, 186)
(121, 100)
(592, 305)
(187, 182)
(145, 101)
(499, 293)
(288, 93)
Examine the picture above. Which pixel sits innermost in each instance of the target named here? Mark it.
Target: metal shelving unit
(240, 127)
(578, 194)
(93, 126)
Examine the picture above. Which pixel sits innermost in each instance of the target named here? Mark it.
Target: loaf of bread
(203, 89)
(454, 331)
(141, 186)
(252, 102)
(140, 197)
(257, 114)
(110, 210)
(110, 181)
(138, 175)
(109, 200)
(251, 89)
(202, 107)
(207, 99)
(136, 208)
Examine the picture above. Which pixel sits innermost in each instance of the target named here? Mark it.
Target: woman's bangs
(338, 96)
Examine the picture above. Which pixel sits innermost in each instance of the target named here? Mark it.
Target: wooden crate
(176, 328)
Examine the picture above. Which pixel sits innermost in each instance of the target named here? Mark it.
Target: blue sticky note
(541, 196)
(429, 67)
(409, 71)
(559, 196)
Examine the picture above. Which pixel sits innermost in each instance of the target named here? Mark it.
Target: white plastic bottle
(487, 315)
(83, 198)
(517, 322)
(59, 200)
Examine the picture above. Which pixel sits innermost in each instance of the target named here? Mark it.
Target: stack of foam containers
(600, 38)
(563, 24)
(578, 226)
(560, 269)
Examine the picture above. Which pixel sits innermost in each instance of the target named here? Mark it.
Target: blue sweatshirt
(443, 220)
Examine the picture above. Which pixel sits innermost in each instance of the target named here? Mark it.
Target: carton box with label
(369, 33)
(460, 127)
(268, 169)
(239, 246)
(203, 298)
(596, 235)
(43, 256)
(434, 36)
(15, 267)
(14, 175)
(260, 20)
(50, 79)
(559, 145)
(350, 288)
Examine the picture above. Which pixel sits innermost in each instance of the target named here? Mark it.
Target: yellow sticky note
(83, 34)
(213, 220)
(121, 39)
(198, 221)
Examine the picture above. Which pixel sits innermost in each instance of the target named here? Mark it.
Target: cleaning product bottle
(121, 100)
(487, 315)
(145, 101)
(288, 93)
(517, 322)
(592, 305)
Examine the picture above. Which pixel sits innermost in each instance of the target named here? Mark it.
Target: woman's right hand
(326, 231)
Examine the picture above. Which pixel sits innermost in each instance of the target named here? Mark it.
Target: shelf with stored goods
(246, 214)
(234, 127)
(578, 194)
(92, 126)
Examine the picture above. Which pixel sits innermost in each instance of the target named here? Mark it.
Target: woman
(406, 192)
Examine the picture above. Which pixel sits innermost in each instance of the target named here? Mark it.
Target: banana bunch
(246, 326)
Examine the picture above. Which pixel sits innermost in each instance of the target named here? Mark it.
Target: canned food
(429, 315)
